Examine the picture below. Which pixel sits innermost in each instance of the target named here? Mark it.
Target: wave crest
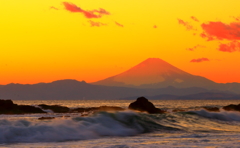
(78, 128)
(222, 115)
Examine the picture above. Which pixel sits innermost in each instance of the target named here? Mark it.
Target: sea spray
(222, 115)
(114, 124)
(79, 128)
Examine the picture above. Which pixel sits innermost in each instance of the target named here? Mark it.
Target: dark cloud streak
(199, 60)
(118, 24)
(96, 24)
(87, 13)
(194, 18)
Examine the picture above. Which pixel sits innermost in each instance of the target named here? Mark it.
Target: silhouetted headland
(8, 107)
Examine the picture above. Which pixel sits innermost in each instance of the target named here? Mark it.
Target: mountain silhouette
(155, 73)
(76, 90)
(153, 77)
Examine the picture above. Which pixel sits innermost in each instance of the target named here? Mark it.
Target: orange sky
(43, 41)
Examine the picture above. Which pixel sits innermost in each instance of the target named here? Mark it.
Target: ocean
(185, 125)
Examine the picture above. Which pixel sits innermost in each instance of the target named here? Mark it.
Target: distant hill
(75, 90)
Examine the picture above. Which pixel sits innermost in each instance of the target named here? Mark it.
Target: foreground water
(191, 126)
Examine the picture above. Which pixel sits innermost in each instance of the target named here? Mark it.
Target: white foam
(105, 124)
(222, 115)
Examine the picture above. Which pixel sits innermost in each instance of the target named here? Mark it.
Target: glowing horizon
(44, 41)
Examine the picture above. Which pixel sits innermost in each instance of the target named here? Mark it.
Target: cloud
(195, 47)
(199, 60)
(236, 18)
(101, 11)
(87, 13)
(96, 24)
(194, 18)
(52, 7)
(220, 31)
(185, 24)
(208, 37)
(118, 24)
(230, 47)
(217, 31)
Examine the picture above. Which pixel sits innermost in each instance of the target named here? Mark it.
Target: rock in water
(142, 104)
(55, 108)
(46, 118)
(232, 107)
(8, 107)
(30, 109)
(212, 109)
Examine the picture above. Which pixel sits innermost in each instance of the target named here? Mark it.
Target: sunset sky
(47, 40)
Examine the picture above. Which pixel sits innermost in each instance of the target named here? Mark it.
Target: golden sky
(47, 40)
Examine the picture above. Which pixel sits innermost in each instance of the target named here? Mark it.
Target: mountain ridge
(76, 90)
(171, 82)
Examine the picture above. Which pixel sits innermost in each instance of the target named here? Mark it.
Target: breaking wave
(98, 125)
(104, 124)
(222, 115)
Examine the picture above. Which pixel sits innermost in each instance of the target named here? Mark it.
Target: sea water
(190, 126)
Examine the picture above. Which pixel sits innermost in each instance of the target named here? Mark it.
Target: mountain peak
(152, 71)
(155, 63)
(153, 66)
(153, 60)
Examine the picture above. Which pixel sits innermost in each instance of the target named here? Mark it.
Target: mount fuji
(155, 73)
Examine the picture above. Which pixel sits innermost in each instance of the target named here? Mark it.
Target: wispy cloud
(230, 47)
(118, 24)
(206, 36)
(199, 60)
(236, 18)
(87, 13)
(96, 24)
(194, 18)
(52, 7)
(195, 47)
(217, 31)
(185, 24)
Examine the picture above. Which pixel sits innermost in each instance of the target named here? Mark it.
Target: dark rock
(178, 110)
(232, 107)
(142, 104)
(55, 108)
(7, 104)
(30, 109)
(8, 107)
(79, 110)
(110, 108)
(46, 118)
(212, 109)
